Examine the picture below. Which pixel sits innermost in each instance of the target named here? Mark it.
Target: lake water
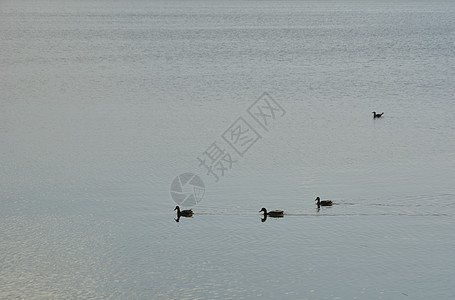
(103, 103)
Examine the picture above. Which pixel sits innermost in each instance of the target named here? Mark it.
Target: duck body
(183, 213)
(375, 115)
(272, 213)
(323, 202)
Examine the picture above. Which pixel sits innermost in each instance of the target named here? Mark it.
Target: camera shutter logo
(187, 189)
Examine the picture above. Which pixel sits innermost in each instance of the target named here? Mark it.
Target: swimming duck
(323, 202)
(183, 213)
(273, 213)
(375, 115)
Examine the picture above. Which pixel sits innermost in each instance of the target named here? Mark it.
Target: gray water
(103, 103)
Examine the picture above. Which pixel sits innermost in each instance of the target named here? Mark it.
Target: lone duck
(375, 115)
(273, 213)
(323, 202)
(183, 213)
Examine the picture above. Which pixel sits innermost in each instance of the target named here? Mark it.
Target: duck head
(263, 210)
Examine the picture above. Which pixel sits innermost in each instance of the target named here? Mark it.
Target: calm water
(104, 103)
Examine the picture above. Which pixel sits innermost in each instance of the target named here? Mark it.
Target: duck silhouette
(375, 115)
(323, 202)
(273, 213)
(183, 213)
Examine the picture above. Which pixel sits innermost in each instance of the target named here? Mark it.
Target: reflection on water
(179, 216)
(264, 217)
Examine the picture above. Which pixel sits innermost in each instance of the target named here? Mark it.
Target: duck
(375, 115)
(183, 213)
(323, 202)
(273, 213)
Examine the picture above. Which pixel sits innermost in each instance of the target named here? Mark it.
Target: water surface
(103, 103)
